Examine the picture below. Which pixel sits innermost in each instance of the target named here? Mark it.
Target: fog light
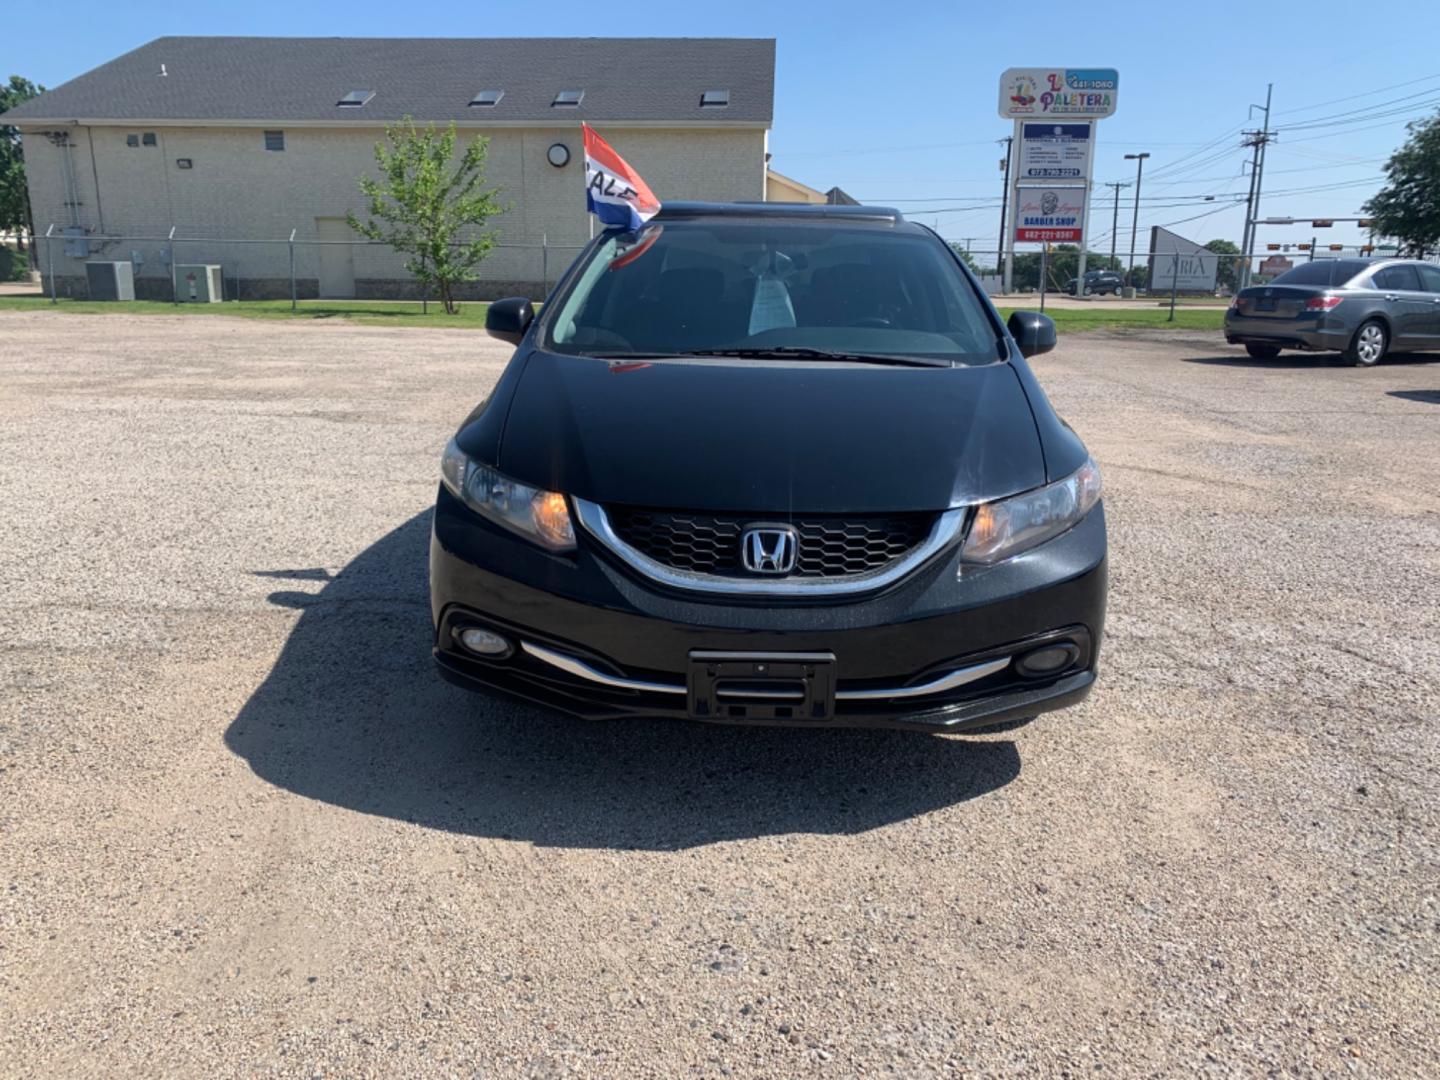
(1047, 660)
(484, 642)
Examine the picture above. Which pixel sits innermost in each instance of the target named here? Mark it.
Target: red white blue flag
(614, 191)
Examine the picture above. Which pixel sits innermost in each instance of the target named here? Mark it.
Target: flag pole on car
(615, 192)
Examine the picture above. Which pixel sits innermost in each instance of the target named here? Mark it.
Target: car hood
(767, 436)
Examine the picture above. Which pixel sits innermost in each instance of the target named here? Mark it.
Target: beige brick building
(226, 140)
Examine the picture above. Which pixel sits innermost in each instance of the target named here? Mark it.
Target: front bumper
(601, 620)
(1316, 332)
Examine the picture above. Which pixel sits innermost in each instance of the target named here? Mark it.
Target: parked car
(1361, 308)
(1098, 283)
(771, 464)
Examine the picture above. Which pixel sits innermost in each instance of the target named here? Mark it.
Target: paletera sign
(1068, 92)
(1049, 215)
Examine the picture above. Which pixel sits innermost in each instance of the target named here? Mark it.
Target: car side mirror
(508, 319)
(1033, 332)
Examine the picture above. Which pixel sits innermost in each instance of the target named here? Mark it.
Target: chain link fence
(1056, 271)
(175, 266)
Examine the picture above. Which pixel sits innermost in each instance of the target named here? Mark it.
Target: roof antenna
(163, 72)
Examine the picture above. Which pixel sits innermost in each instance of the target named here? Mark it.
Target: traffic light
(1366, 223)
(1302, 247)
(1337, 247)
(1322, 223)
(1272, 247)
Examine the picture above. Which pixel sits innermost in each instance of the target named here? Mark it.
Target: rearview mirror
(1033, 332)
(508, 319)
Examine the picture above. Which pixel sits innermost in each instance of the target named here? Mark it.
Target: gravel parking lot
(245, 830)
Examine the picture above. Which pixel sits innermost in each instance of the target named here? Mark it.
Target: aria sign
(1082, 93)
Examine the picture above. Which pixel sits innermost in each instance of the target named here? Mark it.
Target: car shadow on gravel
(354, 715)
(1430, 397)
(1306, 360)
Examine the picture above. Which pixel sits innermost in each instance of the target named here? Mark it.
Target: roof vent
(486, 99)
(568, 99)
(355, 99)
(715, 99)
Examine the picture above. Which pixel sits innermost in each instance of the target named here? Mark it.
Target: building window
(274, 140)
(148, 139)
(132, 140)
(715, 99)
(486, 99)
(568, 99)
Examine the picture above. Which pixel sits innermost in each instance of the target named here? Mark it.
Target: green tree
(1228, 271)
(964, 256)
(1408, 206)
(14, 195)
(430, 207)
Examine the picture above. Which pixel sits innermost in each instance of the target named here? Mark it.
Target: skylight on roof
(568, 99)
(715, 99)
(487, 99)
(355, 99)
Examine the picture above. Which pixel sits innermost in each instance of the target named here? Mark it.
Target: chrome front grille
(850, 540)
(829, 546)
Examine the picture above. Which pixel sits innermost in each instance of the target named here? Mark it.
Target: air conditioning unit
(199, 283)
(110, 280)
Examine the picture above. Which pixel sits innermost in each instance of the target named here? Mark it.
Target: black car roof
(770, 211)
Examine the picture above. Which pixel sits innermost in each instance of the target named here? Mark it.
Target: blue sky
(898, 104)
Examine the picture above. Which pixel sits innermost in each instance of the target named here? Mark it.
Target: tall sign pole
(1054, 111)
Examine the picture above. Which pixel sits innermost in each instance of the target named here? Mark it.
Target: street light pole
(1139, 160)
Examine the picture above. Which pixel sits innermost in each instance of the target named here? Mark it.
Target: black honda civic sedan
(770, 464)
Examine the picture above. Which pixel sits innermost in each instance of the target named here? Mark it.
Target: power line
(1362, 116)
(1356, 97)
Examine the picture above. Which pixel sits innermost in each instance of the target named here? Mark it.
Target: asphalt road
(245, 830)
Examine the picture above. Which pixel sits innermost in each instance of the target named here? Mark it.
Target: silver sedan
(1359, 308)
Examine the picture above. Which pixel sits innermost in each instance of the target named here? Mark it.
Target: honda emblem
(769, 549)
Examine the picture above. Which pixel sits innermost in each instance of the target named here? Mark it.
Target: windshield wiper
(802, 352)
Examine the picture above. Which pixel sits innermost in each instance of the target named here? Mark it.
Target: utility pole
(1115, 221)
(1139, 160)
(1002, 266)
(1257, 140)
(1247, 234)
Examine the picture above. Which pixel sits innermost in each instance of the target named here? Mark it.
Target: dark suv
(1098, 283)
(770, 464)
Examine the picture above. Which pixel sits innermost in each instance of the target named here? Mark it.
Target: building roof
(223, 80)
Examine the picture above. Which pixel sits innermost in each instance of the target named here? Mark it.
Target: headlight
(1009, 526)
(541, 516)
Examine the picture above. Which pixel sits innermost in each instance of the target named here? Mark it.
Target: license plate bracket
(739, 686)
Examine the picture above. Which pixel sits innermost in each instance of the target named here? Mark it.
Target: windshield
(820, 288)
(1322, 272)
